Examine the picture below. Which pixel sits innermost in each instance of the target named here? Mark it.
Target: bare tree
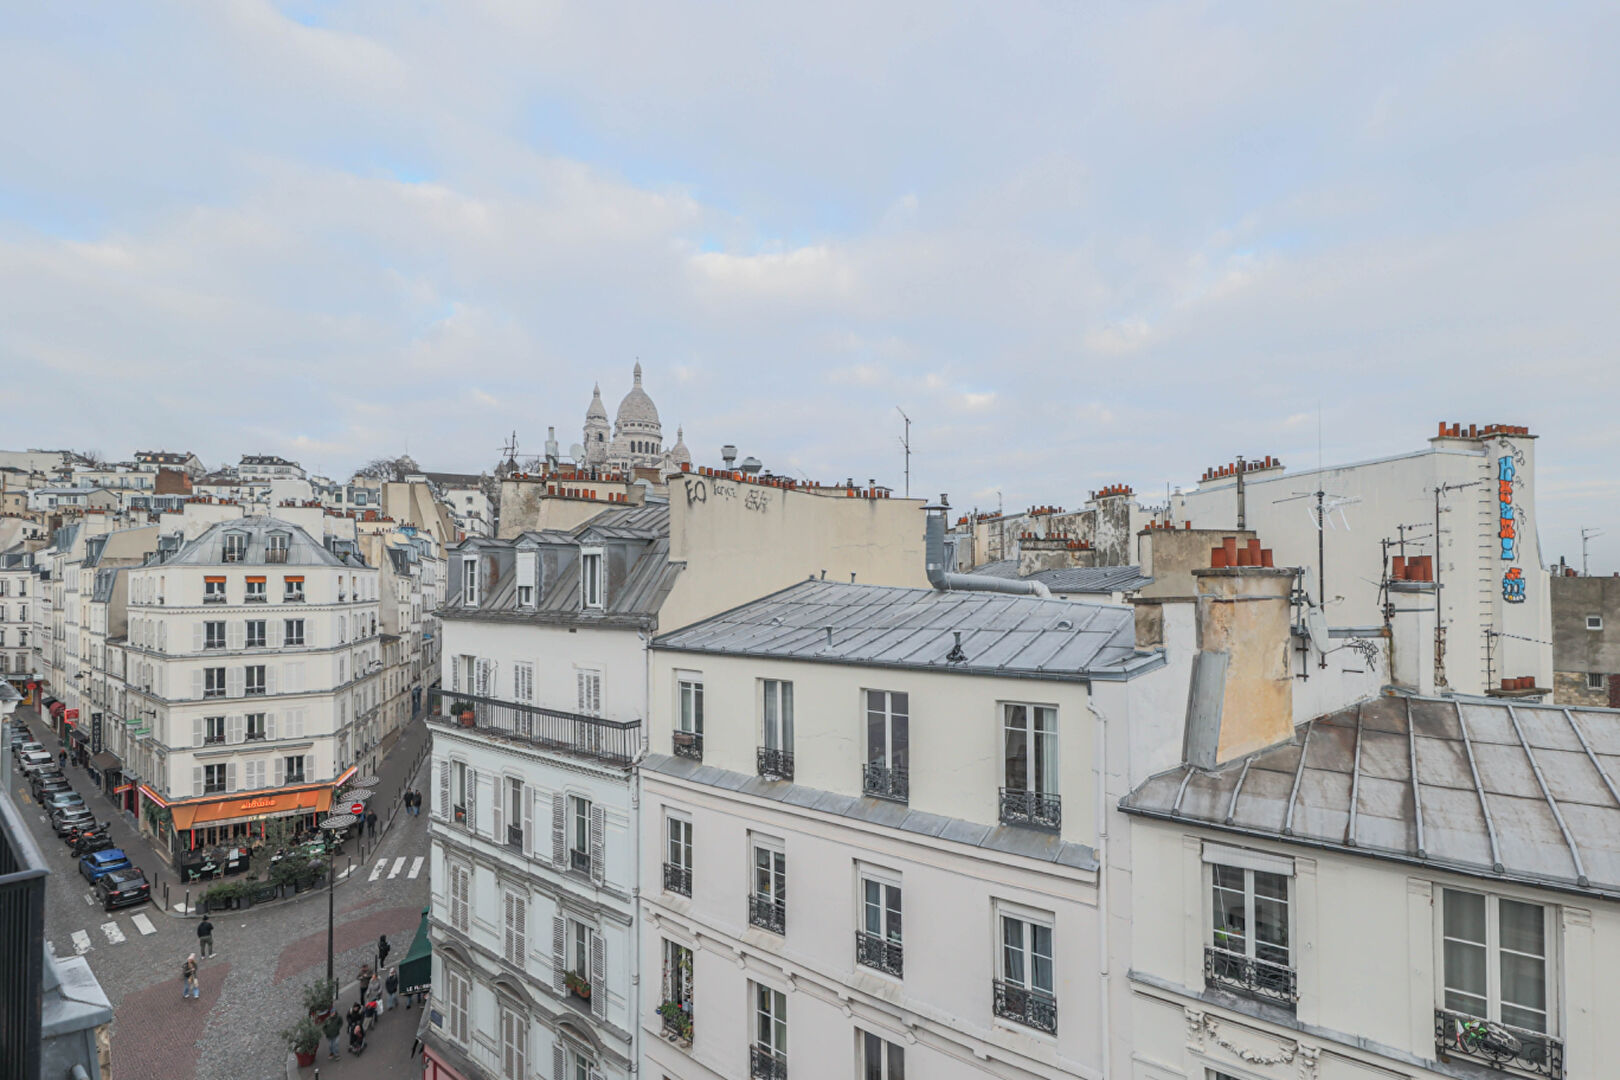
(93, 458)
(386, 468)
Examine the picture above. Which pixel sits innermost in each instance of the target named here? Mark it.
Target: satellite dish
(1316, 626)
(577, 452)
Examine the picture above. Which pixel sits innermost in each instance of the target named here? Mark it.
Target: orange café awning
(250, 807)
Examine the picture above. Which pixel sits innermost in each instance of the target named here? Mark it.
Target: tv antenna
(1586, 537)
(905, 444)
(509, 448)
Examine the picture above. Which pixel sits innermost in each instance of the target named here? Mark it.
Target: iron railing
(615, 741)
(514, 836)
(275, 555)
(766, 1064)
(775, 764)
(883, 782)
(1036, 809)
(1498, 1045)
(876, 951)
(579, 861)
(1253, 978)
(678, 879)
(768, 913)
(22, 940)
(689, 744)
(1025, 1005)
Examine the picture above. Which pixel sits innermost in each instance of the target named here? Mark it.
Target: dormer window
(235, 547)
(275, 548)
(469, 580)
(590, 587)
(527, 573)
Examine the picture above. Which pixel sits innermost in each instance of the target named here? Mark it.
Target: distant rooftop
(1077, 579)
(209, 548)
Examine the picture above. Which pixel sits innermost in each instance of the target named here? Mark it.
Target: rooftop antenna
(1439, 587)
(1321, 517)
(905, 444)
(1586, 536)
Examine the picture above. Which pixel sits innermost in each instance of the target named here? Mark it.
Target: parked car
(32, 761)
(44, 784)
(99, 863)
(25, 745)
(93, 839)
(61, 800)
(120, 888)
(67, 822)
(18, 736)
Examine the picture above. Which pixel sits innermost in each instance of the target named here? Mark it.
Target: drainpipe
(948, 582)
(1104, 878)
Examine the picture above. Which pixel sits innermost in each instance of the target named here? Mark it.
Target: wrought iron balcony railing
(766, 1064)
(884, 782)
(678, 879)
(514, 836)
(275, 555)
(689, 744)
(875, 951)
(615, 741)
(1498, 1045)
(1025, 1005)
(768, 913)
(579, 861)
(775, 764)
(1244, 975)
(1036, 809)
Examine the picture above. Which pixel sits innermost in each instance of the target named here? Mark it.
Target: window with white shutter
(590, 691)
(514, 1045)
(517, 917)
(460, 889)
(456, 998)
(523, 682)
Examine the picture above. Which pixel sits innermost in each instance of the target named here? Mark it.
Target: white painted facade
(16, 614)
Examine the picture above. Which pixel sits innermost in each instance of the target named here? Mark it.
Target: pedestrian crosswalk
(397, 868)
(416, 867)
(112, 931)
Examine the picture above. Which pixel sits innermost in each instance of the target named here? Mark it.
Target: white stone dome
(678, 453)
(637, 411)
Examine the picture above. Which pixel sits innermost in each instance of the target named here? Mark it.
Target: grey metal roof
(1519, 792)
(1000, 634)
(645, 522)
(1010, 839)
(302, 549)
(1076, 579)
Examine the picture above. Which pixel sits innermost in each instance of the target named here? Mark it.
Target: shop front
(78, 739)
(107, 771)
(240, 819)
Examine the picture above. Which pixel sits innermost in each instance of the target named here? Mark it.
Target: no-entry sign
(357, 809)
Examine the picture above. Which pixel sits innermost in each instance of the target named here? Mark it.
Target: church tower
(596, 431)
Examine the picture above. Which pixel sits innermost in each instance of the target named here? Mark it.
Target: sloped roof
(208, 549)
(1075, 579)
(1484, 787)
(1000, 634)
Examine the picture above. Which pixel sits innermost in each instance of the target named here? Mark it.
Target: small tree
(278, 836)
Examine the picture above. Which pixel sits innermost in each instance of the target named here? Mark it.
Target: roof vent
(1063, 624)
(956, 655)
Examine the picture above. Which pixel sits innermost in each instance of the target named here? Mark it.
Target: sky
(1077, 243)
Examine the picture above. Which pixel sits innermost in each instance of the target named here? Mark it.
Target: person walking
(188, 978)
(416, 803)
(205, 936)
(61, 759)
(391, 987)
(371, 822)
(410, 804)
(382, 951)
(333, 1030)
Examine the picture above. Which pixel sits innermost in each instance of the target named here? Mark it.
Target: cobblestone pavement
(264, 956)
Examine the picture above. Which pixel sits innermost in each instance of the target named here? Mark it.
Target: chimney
(1241, 694)
(1411, 644)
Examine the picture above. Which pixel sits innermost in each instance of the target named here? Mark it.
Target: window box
(1497, 1045)
(1034, 809)
(577, 985)
(1250, 977)
(775, 764)
(689, 744)
(880, 953)
(1024, 1005)
(767, 913)
(677, 1022)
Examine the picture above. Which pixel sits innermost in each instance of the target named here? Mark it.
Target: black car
(46, 784)
(69, 822)
(120, 888)
(86, 841)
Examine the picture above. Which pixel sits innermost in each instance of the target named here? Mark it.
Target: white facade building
(16, 617)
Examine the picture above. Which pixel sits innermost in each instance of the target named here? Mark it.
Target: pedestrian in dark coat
(333, 1030)
(391, 985)
(382, 950)
(205, 936)
(371, 822)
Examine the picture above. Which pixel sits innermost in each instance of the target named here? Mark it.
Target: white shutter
(295, 677)
(270, 725)
(234, 681)
(598, 977)
(270, 678)
(525, 569)
(559, 1063)
(297, 731)
(455, 675)
(444, 789)
(197, 732)
(583, 708)
(498, 809)
(559, 831)
(310, 633)
(236, 634)
(528, 822)
(197, 684)
(197, 637)
(196, 780)
(559, 952)
(281, 764)
(272, 633)
(520, 904)
(598, 843)
(230, 776)
(235, 729)
(472, 802)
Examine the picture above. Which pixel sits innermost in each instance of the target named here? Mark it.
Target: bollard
(188, 902)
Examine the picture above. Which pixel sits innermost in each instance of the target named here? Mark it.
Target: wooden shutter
(598, 843)
(270, 678)
(236, 634)
(230, 776)
(559, 953)
(197, 732)
(281, 765)
(196, 780)
(598, 977)
(269, 726)
(197, 637)
(235, 728)
(272, 633)
(559, 831)
(528, 821)
(498, 809)
(444, 789)
(235, 677)
(559, 1062)
(472, 801)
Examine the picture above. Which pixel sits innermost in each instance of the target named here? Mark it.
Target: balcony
(677, 1017)
(775, 764)
(255, 598)
(1256, 979)
(883, 782)
(213, 598)
(213, 740)
(514, 836)
(768, 913)
(766, 1064)
(579, 861)
(275, 555)
(1035, 809)
(611, 741)
(1497, 1045)
(874, 951)
(1026, 1005)
(678, 879)
(689, 744)
(295, 598)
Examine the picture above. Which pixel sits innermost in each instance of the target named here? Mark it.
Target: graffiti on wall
(1508, 530)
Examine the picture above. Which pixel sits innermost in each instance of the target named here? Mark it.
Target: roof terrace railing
(612, 741)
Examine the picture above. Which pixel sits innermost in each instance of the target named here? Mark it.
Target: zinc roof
(209, 548)
(1074, 579)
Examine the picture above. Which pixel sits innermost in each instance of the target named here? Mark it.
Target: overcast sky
(1079, 243)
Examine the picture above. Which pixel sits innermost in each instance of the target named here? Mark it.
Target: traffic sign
(357, 809)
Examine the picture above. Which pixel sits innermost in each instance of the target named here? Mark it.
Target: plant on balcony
(577, 985)
(463, 710)
(677, 1019)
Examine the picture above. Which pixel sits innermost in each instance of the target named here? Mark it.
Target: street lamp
(331, 824)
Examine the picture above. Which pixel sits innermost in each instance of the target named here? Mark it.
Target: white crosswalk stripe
(115, 936)
(81, 942)
(416, 867)
(399, 864)
(143, 924)
(377, 873)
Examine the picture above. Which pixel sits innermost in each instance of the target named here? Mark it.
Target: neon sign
(1507, 530)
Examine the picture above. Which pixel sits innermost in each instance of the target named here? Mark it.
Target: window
(1594, 680)
(255, 727)
(580, 941)
(678, 857)
(275, 548)
(1594, 622)
(1024, 992)
(881, 1059)
(523, 682)
(292, 632)
(767, 904)
(456, 1003)
(888, 745)
(235, 547)
(1030, 761)
(213, 730)
(517, 918)
(255, 634)
(776, 755)
(458, 791)
(293, 590)
(213, 682)
(460, 896)
(1254, 962)
(514, 1045)
(689, 724)
(255, 591)
(590, 587)
(589, 684)
(213, 635)
(675, 1004)
(255, 679)
(1495, 960)
(527, 562)
(579, 834)
(877, 942)
(768, 1060)
(514, 810)
(469, 580)
(213, 779)
(293, 769)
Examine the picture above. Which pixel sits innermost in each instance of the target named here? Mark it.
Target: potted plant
(577, 986)
(302, 1039)
(677, 1021)
(319, 998)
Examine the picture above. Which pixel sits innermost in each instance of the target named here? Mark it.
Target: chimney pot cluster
(1414, 568)
(1166, 525)
(1475, 431)
(1230, 554)
(1039, 511)
(1113, 490)
(1523, 682)
(1218, 472)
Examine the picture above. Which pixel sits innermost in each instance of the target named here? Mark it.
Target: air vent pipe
(939, 578)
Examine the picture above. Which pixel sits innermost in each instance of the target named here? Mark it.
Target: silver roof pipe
(944, 581)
